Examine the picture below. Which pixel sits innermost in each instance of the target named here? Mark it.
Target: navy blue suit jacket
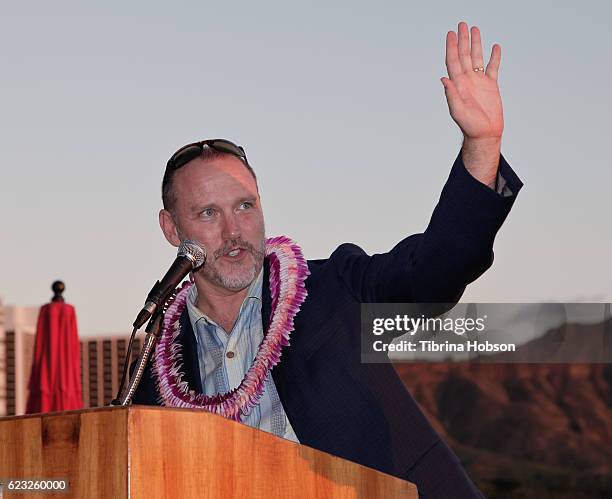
(363, 412)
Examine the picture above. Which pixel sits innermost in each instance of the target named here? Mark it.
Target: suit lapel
(191, 366)
(266, 298)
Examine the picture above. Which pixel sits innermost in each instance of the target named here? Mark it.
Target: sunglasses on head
(191, 151)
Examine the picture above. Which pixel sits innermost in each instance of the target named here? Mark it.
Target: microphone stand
(153, 331)
(190, 256)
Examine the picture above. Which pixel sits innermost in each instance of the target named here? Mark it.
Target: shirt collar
(195, 314)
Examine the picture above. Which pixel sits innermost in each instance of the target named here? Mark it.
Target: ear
(169, 228)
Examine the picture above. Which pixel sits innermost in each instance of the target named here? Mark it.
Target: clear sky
(341, 111)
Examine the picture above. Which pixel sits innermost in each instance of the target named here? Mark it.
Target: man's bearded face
(218, 205)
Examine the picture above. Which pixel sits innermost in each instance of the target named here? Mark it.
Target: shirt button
(230, 355)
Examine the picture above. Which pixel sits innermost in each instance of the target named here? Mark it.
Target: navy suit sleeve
(437, 265)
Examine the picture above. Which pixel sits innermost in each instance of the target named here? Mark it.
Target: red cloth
(55, 379)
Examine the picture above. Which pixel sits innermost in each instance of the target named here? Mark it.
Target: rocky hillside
(525, 430)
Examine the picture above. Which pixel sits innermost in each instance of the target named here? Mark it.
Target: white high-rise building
(17, 334)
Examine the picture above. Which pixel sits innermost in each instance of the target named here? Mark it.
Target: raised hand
(474, 100)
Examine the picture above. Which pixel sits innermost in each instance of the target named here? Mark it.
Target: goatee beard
(227, 280)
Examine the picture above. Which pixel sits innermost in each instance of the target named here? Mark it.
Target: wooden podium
(140, 451)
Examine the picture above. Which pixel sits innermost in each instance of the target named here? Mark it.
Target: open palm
(472, 93)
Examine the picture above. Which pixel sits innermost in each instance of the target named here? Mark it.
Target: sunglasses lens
(192, 151)
(227, 146)
(185, 155)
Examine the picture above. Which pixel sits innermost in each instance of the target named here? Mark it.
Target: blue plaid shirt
(224, 359)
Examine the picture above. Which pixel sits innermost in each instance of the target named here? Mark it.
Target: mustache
(235, 244)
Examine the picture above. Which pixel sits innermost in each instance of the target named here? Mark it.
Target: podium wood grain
(139, 451)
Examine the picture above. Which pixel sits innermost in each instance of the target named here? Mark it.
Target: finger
(464, 46)
(493, 66)
(453, 98)
(476, 48)
(453, 66)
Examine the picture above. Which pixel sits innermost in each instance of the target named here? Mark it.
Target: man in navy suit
(321, 394)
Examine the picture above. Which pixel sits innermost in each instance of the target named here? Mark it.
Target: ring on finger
(479, 69)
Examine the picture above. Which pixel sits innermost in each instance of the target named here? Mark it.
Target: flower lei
(288, 271)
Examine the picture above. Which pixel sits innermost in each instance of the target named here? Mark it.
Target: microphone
(190, 256)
